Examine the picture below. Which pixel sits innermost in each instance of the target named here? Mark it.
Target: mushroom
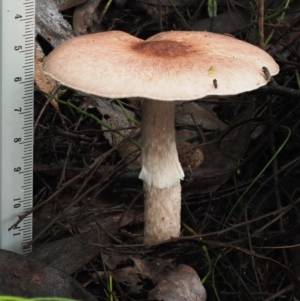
(166, 67)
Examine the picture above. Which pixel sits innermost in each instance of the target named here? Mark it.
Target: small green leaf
(212, 8)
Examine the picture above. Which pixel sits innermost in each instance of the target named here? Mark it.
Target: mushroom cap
(172, 65)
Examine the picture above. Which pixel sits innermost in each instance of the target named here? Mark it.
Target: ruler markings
(26, 168)
(16, 98)
(26, 142)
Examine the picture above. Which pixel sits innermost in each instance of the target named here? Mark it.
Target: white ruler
(16, 121)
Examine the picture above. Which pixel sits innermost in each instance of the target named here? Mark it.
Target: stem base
(162, 213)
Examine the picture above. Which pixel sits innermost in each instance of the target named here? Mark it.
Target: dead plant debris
(240, 207)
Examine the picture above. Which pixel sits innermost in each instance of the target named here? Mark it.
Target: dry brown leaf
(24, 276)
(135, 269)
(50, 24)
(65, 4)
(85, 18)
(116, 118)
(201, 115)
(43, 82)
(182, 284)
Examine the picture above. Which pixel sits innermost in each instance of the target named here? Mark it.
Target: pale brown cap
(172, 65)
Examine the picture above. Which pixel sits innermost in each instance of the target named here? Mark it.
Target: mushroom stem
(161, 213)
(161, 171)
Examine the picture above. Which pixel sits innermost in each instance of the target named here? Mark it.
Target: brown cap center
(162, 48)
